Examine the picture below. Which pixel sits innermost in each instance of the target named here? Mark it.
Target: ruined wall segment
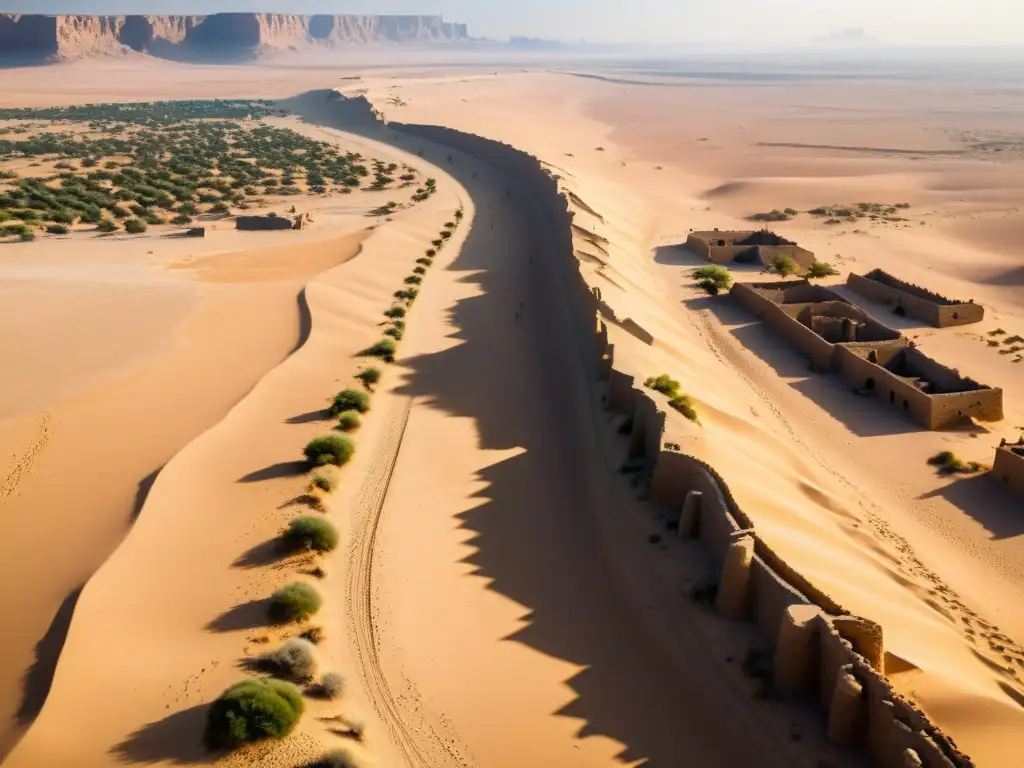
(913, 301)
(746, 247)
(1008, 467)
(816, 641)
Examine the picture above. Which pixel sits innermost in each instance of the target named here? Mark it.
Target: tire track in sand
(27, 460)
(417, 739)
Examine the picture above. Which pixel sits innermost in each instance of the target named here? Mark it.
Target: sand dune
(504, 584)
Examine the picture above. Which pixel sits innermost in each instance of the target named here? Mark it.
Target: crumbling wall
(262, 223)
(914, 301)
(806, 625)
(1008, 467)
(796, 333)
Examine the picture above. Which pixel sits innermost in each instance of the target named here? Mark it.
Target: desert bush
(437, 243)
(350, 400)
(822, 269)
(339, 758)
(420, 271)
(684, 405)
(315, 533)
(458, 214)
(709, 286)
(349, 421)
(180, 219)
(315, 635)
(713, 274)
(783, 265)
(135, 226)
(250, 711)
(27, 237)
(295, 602)
(295, 660)
(446, 235)
(384, 349)
(949, 464)
(663, 384)
(395, 333)
(326, 483)
(424, 261)
(431, 253)
(774, 215)
(332, 449)
(57, 229)
(331, 685)
(395, 312)
(106, 225)
(413, 280)
(369, 376)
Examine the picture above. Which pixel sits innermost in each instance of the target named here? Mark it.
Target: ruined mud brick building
(1008, 468)
(263, 223)
(746, 247)
(842, 338)
(909, 300)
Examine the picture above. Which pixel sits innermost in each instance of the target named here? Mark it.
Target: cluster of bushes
(775, 215)
(186, 158)
(669, 387)
(424, 192)
(713, 279)
(837, 214)
(948, 463)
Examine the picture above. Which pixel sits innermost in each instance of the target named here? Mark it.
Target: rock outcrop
(40, 37)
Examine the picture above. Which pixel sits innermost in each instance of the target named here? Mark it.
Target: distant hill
(31, 36)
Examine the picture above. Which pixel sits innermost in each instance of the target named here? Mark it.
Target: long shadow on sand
(532, 524)
(175, 740)
(864, 416)
(981, 497)
(249, 615)
(276, 472)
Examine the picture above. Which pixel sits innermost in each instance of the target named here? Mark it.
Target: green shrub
(250, 711)
(349, 421)
(709, 286)
(326, 483)
(424, 261)
(350, 400)
(420, 271)
(315, 533)
(395, 312)
(437, 243)
(135, 226)
(295, 602)
(774, 215)
(948, 464)
(664, 384)
(395, 333)
(106, 225)
(384, 348)
(332, 449)
(27, 237)
(783, 265)
(684, 405)
(413, 280)
(458, 214)
(315, 635)
(295, 660)
(431, 253)
(57, 229)
(369, 376)
(713, 273)
(822, 269)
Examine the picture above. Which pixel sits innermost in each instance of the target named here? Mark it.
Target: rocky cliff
(36, 36)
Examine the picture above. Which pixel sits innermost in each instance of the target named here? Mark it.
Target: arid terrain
(500, 593)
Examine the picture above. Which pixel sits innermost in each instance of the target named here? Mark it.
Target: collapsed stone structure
(820, 650)
(909, 300)
(746, 247)
(1008, 467)
(842, 338)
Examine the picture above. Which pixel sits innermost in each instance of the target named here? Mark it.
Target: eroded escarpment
(820, 652)
(47, 37)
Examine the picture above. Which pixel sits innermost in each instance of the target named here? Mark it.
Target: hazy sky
(917, 22)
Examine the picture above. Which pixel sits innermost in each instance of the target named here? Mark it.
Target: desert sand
(496, 602)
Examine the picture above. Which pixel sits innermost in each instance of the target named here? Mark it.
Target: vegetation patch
(783, 265)
(384, 349)
(713, 278)
(947, 463)
(310, 533)
(349, 421)
(775, 215)
(664, 384)
(295, 602)
(252, 710)
(350, 400)
(369, 376)
(331, 686)
(326, 483)
(330, 449)
(821, 269)
(295, 660)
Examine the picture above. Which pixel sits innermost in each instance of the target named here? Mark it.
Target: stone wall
(914, 301)
(748, 247)
(1008, 467)
(930, 410)
(818, 648)
(263, 223)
